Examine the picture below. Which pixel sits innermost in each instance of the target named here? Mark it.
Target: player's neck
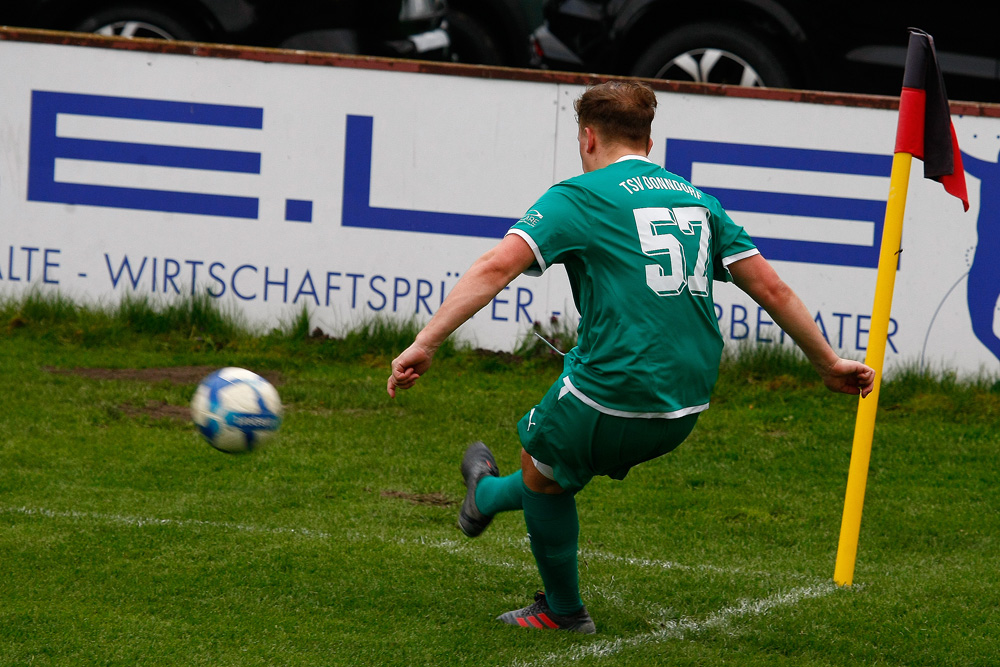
(606, 155)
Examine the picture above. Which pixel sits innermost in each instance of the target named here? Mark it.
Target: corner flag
(925, 130)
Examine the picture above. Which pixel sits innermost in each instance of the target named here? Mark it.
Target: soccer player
(641, 247)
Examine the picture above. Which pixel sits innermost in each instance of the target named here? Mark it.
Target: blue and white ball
(236, 410)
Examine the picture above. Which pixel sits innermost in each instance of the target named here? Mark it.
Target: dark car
(847, 46)
(406, 28)
(491, 32)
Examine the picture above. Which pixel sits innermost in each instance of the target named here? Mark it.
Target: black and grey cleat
(477, 463)
(538, 615)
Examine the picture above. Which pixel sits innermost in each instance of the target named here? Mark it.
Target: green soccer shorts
(579, 442)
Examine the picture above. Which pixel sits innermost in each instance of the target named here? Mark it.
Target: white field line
(656, 613)
(671, 629)
(140, 522)
(463, 547)
(467, 549)
(685, 628)
(648, 563)
(656, 564)
(451, 546)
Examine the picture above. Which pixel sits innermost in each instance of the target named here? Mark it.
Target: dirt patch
(503, 357)
(319, 334)
(171, 374)
(432, 499)
(153, 409)
(157, 410)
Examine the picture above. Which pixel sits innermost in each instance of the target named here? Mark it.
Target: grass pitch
(126, 540)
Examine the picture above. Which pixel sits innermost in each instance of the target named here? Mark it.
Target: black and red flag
(925, 129)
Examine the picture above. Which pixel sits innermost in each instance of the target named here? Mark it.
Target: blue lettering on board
(47, 147)
(682, 154)
(358, 211)
(983, 287)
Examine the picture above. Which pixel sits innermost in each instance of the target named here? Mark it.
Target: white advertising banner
(359, 192)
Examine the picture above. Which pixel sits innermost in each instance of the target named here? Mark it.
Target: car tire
(137, 21)
(471, 42)
(713, 53)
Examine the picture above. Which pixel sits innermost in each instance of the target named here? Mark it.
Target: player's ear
(649, 146)
(591, 139)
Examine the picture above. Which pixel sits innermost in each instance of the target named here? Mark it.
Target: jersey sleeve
(733, 244)
(554, 226)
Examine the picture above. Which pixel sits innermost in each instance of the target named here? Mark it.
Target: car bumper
(432, 44)
(547, 50)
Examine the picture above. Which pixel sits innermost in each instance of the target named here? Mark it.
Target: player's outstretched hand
(849, 377)
(408, 367)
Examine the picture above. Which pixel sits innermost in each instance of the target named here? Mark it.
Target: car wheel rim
(133, 29)
(710, 66)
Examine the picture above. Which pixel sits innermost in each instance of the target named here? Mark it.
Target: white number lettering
(660, 233)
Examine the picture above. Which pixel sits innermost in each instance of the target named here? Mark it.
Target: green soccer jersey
(641, 247)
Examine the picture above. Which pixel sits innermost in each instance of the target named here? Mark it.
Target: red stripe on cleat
(523, 623)
(535, 622)
(549, 622)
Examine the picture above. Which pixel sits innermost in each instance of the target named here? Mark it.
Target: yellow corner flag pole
(924, 130)
(864, 427)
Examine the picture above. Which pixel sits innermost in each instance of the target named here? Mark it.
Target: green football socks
(555, 532)
(554, 529)
(499, 494)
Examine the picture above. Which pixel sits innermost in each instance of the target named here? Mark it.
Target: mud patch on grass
(171, 374)
(154, 409)
(157, 410)
(431, 499)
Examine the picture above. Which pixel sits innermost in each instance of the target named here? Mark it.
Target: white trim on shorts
(586, 400)
(544, 469)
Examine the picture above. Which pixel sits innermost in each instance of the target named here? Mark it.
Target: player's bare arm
(477, 287)
(755, 276)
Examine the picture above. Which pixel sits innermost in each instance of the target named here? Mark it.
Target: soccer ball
(236, 410)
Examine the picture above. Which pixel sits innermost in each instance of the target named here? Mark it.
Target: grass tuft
(195, 315)
(298, 328)
(547, 340)
(38, 309)
(754, 363)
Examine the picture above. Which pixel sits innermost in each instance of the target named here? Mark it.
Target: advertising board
(353, 192)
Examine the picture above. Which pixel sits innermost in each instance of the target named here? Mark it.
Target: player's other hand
(408, 367)
(849, 377)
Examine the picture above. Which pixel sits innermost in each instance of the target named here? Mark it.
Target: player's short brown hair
(620, 111)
